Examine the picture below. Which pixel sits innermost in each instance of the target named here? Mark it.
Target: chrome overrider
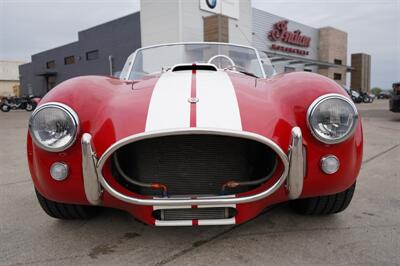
(90, 180)
(293, 172)
(294, 183)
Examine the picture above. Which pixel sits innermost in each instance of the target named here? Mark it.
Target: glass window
(337, 61)
(224, 56)
(92, 55)
(289, 69)
(51, 64)
(337, 76)
(69, 60)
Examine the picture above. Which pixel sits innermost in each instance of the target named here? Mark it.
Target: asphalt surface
(367, 233)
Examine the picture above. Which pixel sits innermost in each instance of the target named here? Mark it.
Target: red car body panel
(110, 110)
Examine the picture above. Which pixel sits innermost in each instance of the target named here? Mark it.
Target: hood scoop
(186, 67)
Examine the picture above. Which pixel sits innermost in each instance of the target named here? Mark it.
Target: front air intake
(194, 214)
(195, 165)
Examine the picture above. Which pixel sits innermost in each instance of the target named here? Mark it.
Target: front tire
(29, 107)
(65, 211)
(324, 205)
(5, 108)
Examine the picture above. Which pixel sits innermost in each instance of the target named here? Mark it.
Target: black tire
(324, 205)
(5, 108)
(66, 211)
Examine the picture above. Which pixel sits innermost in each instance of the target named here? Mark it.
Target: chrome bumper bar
(293, 172)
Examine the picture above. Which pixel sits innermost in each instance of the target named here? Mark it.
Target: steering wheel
(222, 56)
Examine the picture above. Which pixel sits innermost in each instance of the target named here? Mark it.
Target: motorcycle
(4, 105)
(27, 103)
(367, 98)
(355, 96)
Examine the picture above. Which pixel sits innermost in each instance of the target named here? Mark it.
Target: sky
(373, 26)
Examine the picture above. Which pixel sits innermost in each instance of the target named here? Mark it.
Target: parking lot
(368, 232)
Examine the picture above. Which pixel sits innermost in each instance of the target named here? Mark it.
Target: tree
(376, 90)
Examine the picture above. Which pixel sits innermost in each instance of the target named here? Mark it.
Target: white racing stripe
(217, 221)
(218, 106)
(174, 223)
(200, 222)
(169, 107)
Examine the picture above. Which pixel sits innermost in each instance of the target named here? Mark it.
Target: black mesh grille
(191, 214)
(194, 164)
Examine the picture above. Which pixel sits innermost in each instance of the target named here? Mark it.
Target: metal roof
(292, 60)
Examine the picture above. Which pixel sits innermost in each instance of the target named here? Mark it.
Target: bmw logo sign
(211, 3)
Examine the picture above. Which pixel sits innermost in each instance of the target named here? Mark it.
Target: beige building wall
(333, 49)
(182, 21)
(9, 88)
(361, 73)
(9, 78)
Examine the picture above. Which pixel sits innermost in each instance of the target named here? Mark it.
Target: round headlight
(54, 127)
(332, 118)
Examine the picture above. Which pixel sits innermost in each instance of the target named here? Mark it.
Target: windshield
(156, 59)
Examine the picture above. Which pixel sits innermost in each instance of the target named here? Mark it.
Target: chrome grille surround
(184, 201)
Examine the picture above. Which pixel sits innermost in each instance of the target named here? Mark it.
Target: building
(9, 78)
(361, 73)
(333, 49)
(102, 50)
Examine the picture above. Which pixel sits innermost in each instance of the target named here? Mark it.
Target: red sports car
(195, 134)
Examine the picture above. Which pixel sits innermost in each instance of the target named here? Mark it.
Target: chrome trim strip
(198, 201)
(69, 111)
(90, 180)
(320, 100)
(193, 43)
(296, 165)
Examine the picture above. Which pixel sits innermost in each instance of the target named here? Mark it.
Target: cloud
(31, 26)
(373, 27)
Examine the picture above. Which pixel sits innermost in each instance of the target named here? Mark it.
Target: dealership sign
(281, 33)
(211, 3)
(229, 8)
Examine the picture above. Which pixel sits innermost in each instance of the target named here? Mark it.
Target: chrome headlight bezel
(317, 102)
(71, 115)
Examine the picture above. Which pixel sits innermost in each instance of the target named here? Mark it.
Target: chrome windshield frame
(128, 74)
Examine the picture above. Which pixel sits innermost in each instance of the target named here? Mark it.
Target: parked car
(207, 134)
(385, 95)
(394, 102)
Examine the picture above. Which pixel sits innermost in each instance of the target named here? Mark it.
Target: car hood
(111, 109)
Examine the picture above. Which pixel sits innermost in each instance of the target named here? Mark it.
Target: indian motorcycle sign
(280, 32)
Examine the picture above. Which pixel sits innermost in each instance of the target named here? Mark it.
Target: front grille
(193, 164)
(194, 214)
